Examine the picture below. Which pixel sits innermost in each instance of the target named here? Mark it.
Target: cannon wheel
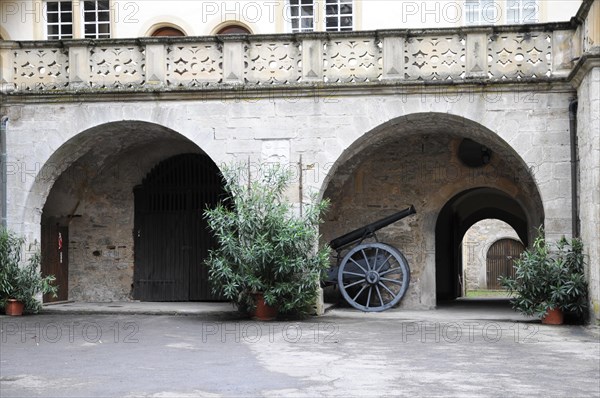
(373, 277)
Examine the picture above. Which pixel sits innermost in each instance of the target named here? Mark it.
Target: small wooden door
(170, 233)
(55, 259)
(500, 260)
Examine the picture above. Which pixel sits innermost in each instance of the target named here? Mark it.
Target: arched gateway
(122, 214)
(420, 159)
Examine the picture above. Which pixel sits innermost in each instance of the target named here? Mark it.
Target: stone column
(476, 54)
(7, 83)
(233, 59)
(393, 58)
(156, 63)
(79, 61)
(312, 60)
(588, 136)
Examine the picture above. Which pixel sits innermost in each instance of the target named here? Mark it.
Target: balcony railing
(488, 54)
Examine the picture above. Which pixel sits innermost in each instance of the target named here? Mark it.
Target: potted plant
(266, 250)
(21, 284)
(549, 280)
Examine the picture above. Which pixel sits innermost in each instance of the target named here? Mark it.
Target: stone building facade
(380, 120)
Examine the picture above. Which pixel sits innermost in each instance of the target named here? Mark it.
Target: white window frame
(481, 12)
(522, 11)
(96, 22)
(338, 26)
(60, 23)
(305, 11)
(319, 15)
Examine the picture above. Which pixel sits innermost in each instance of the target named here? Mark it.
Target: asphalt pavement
(456, 351)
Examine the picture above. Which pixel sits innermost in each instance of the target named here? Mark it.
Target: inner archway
(457, 216)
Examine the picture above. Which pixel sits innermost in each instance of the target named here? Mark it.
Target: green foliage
(547, 278)
(263, 245)
(23, 282)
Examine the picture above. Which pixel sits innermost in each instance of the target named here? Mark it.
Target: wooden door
(500, 259)
(170, 233)
(55, 258)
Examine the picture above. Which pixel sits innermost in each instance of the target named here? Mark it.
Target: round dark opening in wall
(473, 154)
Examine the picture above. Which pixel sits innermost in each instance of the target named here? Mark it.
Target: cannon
(372, 276)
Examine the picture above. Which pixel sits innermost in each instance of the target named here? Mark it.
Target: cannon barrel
(368, 230)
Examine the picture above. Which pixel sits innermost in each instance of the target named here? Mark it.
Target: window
(338, 15)
(96, 19)
(521, 11)
(234, 30)
(481, 12)
(59, 17)
(167, 31)
(302, 15)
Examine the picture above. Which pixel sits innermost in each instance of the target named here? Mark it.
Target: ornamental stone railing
(472, 54)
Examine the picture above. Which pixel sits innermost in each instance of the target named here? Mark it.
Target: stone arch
(413, 159)
(87, 185)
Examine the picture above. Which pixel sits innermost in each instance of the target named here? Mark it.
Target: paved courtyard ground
(452, 352)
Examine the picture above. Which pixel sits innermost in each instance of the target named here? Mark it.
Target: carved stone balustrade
(473, 54)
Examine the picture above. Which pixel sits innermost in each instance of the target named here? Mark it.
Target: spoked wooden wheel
(373, 277)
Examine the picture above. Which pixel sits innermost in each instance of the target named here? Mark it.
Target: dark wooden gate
(170, 234)
(499, 262)
(55, 258)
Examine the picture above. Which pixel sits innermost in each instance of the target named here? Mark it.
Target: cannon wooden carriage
(371, 276)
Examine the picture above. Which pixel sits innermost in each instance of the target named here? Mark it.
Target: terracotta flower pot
(554, 316)
(14, 307)
(264, 312)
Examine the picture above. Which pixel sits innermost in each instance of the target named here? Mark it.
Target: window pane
(66, 6)
(90, 17)
(104, 29)
(52, 18)
(67, 30)
(332, 22)
(346, 9)
(295, 11)
(307, 24)
(103, 5)
(103, 16)
(66, 17)
(52, 30)
(307, 10)
(89, 5)
(346, 21)
(52, 6)
(332, 10)
(90, 29)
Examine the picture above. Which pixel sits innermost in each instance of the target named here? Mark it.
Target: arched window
(167, 31)
(234, 30)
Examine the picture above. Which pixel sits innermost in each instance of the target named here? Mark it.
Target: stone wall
(374, 140)
(475, 246)
(588, 132)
